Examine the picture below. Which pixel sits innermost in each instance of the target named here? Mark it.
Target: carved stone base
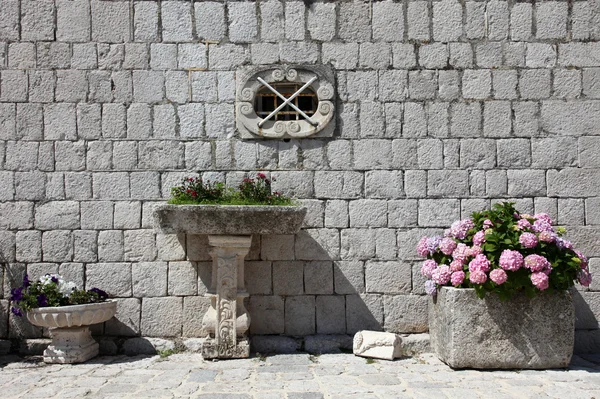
(71, 345)
(210, 349)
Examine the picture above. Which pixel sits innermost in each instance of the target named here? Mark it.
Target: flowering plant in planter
(52, 290)
(502, 251)
(257, 191)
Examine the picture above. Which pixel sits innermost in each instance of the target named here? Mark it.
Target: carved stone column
(227, 320)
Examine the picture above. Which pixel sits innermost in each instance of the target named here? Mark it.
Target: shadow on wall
(587, 336)
(296, 289)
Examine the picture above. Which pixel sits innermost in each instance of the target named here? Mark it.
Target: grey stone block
(162, 317)
(349, 277)
(477, 83)
(149, 279)
(389, 277)
(403, 55)
(318, 278)
(354, 23)
(489, 55)
(554, 153)
(504, 84)
(368, 213)
(363, 312)
(442, 183)
(272, 21)
(243, 25)
(145, 22)
(194, 308)
(535, 84)
(210, 20)
(320, 21)
(418, 20)
(327, 343)
(110, 22)
(582, 181)
(465, 119)
(300, 315)
(478, 154)
(78, 186)
(266, 344)
(57, 246)
(267, 314)
(111, 186)
(422, 85)
(330, 316)
(288, 278)
(375, 55)
(57, 215)
(176, 21)
(227, 56)
(551, 20)
(438, 212)
(514, 153)
(521, 15)
(126, 321)
(454, 310)
(110, 246)
(528, 182)
(258, 277)
(183, 279)
(139, 245)
(9, 24)
(114, 278)
(476, 20)
(406, 313)
(295, 20)
(114, 121)
(447, 20)
(388, 21)
(21, 55)
(85, 246)
(191, 55)
(59, 122)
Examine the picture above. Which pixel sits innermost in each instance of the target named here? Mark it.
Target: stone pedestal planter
(229, 229)
(72, 340)
(521, 333)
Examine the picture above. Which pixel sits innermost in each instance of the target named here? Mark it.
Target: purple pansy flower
(42, 300)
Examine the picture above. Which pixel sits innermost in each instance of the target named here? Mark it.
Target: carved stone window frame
(250, 80)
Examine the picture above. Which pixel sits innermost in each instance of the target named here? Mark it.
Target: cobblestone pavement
(299, 376)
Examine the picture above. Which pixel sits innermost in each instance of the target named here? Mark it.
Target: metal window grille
(266, 102)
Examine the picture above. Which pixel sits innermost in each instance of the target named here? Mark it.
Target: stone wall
(443, 107)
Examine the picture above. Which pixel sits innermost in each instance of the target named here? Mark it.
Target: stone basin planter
(229, 219)
(229, 229)
(72, 340)
(521, 333)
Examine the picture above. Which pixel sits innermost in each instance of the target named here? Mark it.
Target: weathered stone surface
(467, 332)
(162, 317)
(238, 220)
(265, 344)
(325, 343)
(380, 345)
(405, 313)
(146, 346)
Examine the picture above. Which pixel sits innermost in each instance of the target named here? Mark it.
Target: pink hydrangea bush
(503, 251)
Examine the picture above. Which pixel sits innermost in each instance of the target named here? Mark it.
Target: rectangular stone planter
(521, 333)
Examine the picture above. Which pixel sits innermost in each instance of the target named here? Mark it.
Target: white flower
(66, 288)
(47, 279)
